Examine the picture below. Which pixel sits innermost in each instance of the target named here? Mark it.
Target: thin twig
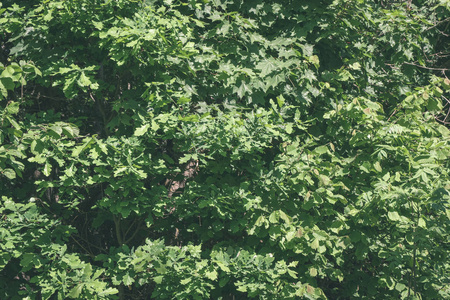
(428, 68)
(393, 113)
(118, 230)
(448, 112)
(87, 242)
(138, 228)
(131, 226)
(85, 250)
(442, 21)
(448, 101)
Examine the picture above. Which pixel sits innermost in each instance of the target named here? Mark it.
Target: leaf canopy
(218, 149)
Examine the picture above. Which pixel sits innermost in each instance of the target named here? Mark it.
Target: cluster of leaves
(217, 149)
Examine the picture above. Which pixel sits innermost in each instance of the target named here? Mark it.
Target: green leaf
(223, 267)
(79, 149)
(70, 131)
(260, 221)
(242, 288)
(307, 50)
(141, 130)
(127, 280)
(9, 173)
(289, 128)
(13, 122)
(325, 180)
(273, 218)
(3, 90)
(13, 108)
(422, 223)
(27, 260)
(47, 169)
(36, 146)
(285, 217)
(98, 25)
(83, 80)
(309, 75)
(315, 244)
(224, 281)
(321, 150)
(76, 291)
(355, 66)
(8, 84)
(266, 67)
(56, 129)
(273, 81)
(243, 89)
(377, 166)
(314, 59)
(183, 100)
(280, 101)
(158, 279)
(446, 83)
(187, 157)
(108, 291)
(393, 216)
(211, 275)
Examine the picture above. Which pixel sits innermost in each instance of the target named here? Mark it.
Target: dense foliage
(224, 149)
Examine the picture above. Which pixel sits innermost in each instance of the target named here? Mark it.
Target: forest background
(224, 149)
